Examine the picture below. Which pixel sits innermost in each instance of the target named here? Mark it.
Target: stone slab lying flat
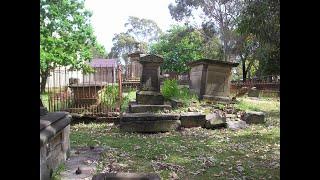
(126, 176)
(254, 117)
(150, 126)
(139, 108)
(235, 125)
(149, 97)
(128, 117)
(192, 119)
(220, 99)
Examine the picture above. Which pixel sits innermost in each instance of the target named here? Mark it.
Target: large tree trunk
(44, 77)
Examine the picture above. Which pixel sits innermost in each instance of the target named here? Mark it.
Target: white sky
(109, 16)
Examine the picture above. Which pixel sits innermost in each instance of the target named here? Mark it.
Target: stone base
(220, 99)
(125, 176)
(148, 122)
(192, 119)
(149, 97)
(138, 108)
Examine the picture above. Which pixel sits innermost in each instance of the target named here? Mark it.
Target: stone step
(149, 97)
(128, 117)
(139, 108)
(192, 119)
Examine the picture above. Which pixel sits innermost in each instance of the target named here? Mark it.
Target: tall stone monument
(149, 90)
(210, 79)
(141, 116)
(135, 68)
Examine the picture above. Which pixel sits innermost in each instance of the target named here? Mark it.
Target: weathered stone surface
(126, 176)
(150, 79)
(150, 126)
(253, 92)
(140, 108)
(215, 121)
(128, 117)
(176, 103)
(192, 119)
(217, 98)
(211, 77)
(254, 117)
(235, 125)
(43, 111)
(149, 97)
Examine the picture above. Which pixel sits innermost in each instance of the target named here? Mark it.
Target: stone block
(140, 108)
(235, 125)
(176, 103)
(253, 92)
(149, 97)
(215, 121)
(128, 117)
(192, 119)
(220, 99)
(254, 117)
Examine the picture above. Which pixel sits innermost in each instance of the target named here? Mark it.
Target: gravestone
(134, 69)
(210, 79)
(141, 116)
(54, 140)
(149, 90)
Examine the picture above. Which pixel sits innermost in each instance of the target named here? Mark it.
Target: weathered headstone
(210, 79)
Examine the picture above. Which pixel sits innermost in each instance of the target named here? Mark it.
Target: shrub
(110, 96)
(170, 88)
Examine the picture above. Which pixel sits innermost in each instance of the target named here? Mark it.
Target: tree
(182, 44)
(221, 13)
(262, 19)
(66, 36)
(143, 30)
(140, 33)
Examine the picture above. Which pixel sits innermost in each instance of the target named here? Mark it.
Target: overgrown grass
(171, 90)
(194, 153)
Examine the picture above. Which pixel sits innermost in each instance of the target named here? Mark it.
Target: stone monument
(54, 140)
(134, 69)
(210, 79)
(141, 116)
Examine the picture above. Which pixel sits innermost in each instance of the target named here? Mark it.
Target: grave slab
(140, 108)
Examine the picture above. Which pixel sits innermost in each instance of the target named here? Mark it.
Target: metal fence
(97, 93)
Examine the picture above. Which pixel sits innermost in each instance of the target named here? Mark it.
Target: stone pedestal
(210, 79)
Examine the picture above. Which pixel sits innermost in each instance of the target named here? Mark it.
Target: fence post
(120, 84)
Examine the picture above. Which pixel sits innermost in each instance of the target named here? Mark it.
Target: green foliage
(127, 97)
(182, 44)
(57, 172)
(110, 96)
(170, 89)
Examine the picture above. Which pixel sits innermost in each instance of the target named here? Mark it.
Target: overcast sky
(109, 16)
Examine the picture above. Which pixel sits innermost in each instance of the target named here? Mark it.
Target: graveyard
(168, 90)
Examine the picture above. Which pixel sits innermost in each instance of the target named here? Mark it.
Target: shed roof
(103, 63)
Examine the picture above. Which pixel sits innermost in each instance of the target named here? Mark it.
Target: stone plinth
(210, 79)
(140, 108)
(54, 141)
(149, 97)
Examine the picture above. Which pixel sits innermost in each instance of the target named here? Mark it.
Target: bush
(170, 88)
(110, 96)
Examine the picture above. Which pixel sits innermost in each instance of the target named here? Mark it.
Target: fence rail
(95, 94)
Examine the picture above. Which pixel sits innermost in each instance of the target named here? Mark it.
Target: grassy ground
(195, 153)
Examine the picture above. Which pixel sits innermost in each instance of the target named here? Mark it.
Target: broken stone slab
(215, 121)
(150, 126)
(149, 97)
(192, 119)
(128, 117)
(126, 176)
(254, 117)
(219, 99)
(176, 103)
(140, 108)
(235, 125)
